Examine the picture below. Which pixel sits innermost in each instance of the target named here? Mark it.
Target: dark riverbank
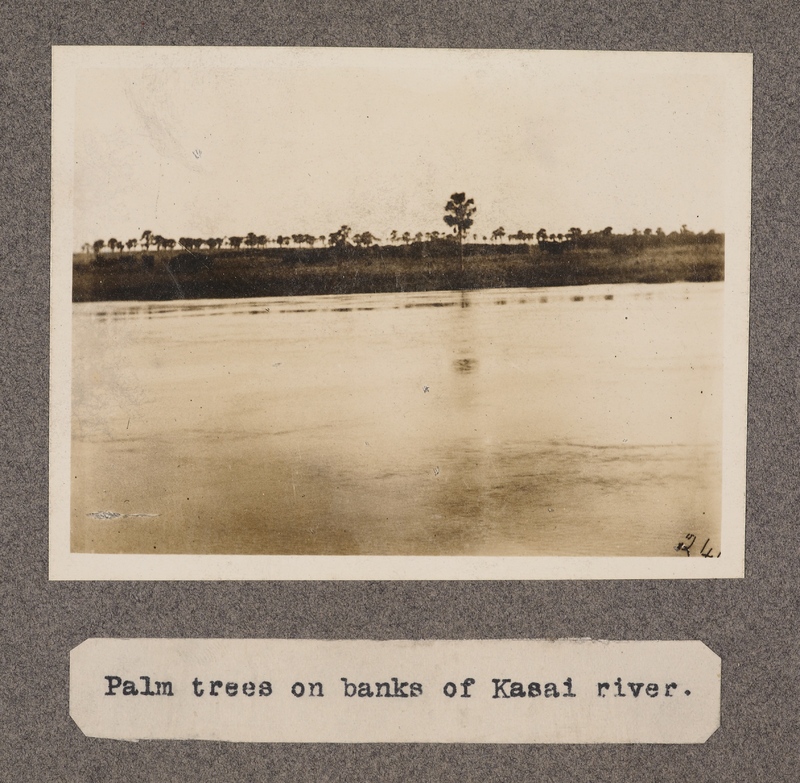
(226, 274)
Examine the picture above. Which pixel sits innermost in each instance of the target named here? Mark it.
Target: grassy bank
(224, 274)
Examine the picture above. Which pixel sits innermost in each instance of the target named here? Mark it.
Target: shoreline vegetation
(245, 267)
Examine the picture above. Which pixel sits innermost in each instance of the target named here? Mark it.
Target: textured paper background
(750, 623)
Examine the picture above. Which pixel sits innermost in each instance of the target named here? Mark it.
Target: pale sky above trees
(204, 142)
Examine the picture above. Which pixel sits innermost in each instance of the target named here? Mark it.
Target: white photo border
(68, 565)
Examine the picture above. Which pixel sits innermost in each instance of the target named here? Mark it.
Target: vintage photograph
(350, 313)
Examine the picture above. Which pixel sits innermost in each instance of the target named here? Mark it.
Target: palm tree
(365, 239)
(458, 214)
(339, 238)
(147, 237)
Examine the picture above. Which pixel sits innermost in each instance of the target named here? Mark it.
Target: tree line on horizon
(459, 212)
(574, 237)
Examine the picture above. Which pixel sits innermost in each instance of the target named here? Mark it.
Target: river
(564, 421)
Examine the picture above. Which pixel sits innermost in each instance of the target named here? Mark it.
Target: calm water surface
(577, 421)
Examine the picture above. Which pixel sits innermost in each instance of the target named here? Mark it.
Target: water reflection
(557, 421)
(435, 299)
(465, 365)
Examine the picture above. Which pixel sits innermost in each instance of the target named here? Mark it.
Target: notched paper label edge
(570, 691)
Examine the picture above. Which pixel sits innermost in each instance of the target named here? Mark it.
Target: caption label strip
(251, 690)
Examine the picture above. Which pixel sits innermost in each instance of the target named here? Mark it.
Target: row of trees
(459, 214)
(157, 241)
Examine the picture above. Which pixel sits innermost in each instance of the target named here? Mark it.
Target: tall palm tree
(458, 214)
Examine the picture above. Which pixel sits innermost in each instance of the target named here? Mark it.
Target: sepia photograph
(397, 313)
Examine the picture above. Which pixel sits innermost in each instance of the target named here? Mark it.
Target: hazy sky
(304, 140)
